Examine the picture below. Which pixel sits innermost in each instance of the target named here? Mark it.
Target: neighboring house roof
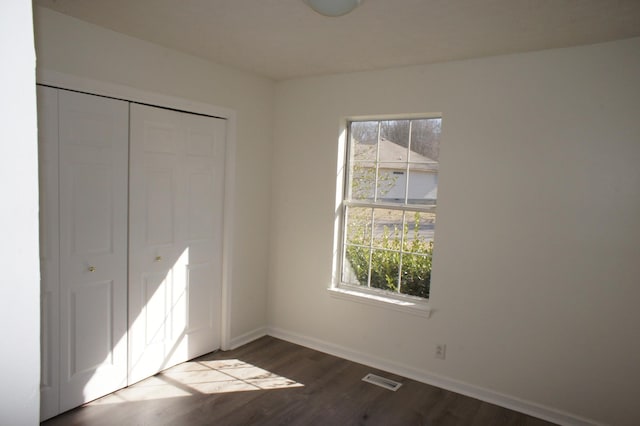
(391, 156)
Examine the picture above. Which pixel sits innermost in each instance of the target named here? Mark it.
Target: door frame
(126, 93)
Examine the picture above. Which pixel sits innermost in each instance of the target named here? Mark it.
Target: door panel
(49, 259)
(201, 222)
(176, 181)
(91, 308)
(160, 187)
(93, 160)
(91, 236)
(201, 309)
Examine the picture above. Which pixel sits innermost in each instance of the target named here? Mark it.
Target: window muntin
(389, 205)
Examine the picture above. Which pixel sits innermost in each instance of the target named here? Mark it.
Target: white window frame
(358, 293)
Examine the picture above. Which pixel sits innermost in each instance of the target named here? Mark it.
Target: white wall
(20, 280)
(536, 279)
(71, 46)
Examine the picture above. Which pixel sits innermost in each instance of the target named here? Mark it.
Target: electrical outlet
(441, 351)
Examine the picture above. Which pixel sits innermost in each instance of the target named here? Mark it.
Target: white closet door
(49, 258)
(175, 257)
(93, 137)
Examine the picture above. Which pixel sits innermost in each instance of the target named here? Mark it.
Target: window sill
(409, 306)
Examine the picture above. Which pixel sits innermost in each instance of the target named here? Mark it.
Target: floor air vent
(383, 382)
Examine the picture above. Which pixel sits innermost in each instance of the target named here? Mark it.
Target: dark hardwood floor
(273, 382)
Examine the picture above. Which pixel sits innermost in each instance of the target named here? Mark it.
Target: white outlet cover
(441, 351)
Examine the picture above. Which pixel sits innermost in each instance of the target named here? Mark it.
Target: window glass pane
(419, 231)
(364, 140)
(423, 185)
(355, 265)
(392, 182)
(391, 152)
(416, 274)
(425, 139)
(363, 181)
(385, 265)
(358, 225)
(387, 228)
(395, 131)
(363, 152)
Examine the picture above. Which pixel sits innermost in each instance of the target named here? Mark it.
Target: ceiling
(284, 39)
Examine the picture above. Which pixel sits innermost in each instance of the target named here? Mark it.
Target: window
(389, 206)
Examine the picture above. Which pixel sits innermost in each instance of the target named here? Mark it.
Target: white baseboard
(502, 400)
(245, 338)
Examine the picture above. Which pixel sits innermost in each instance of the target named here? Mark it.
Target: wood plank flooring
(273, 382)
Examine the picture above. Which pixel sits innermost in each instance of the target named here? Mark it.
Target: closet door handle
(92, 268)
(158, 259)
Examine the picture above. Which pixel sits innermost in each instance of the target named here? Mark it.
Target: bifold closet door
(93, 158)
(175, 241)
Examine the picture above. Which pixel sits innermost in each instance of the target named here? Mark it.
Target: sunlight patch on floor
(201, 377)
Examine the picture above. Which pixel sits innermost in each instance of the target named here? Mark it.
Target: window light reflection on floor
(201, 377)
